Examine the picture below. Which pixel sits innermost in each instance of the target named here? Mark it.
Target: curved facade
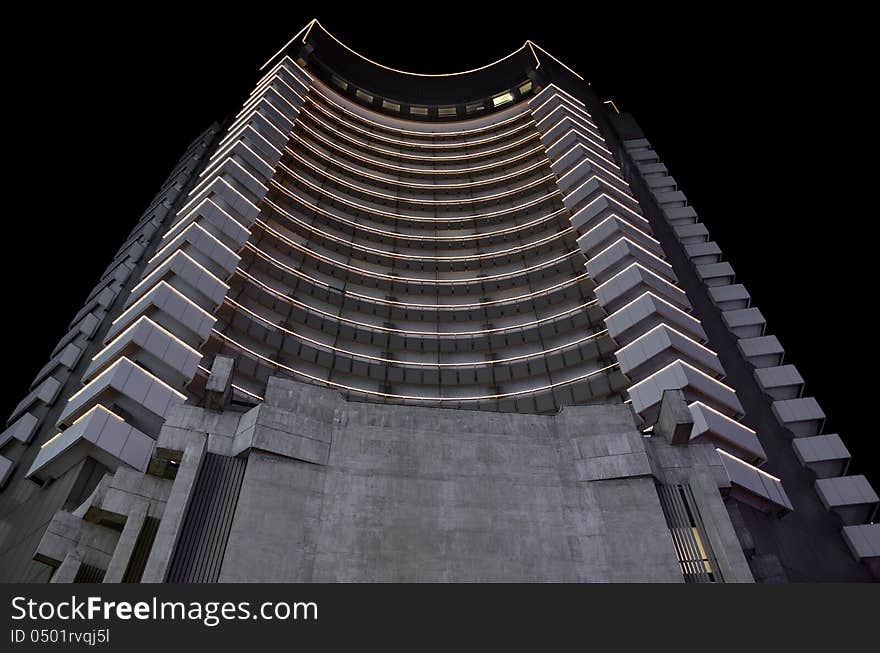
(405, 262)
(491, 241)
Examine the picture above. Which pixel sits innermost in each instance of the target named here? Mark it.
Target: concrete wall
(424, 494)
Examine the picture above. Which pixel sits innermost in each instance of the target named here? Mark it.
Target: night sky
(758, 116)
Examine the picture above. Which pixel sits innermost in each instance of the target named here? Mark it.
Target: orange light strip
(414, 257)
(310, 251)
(395, 235)
(416, 144)
(342, 386)
(430, 307)
(424, 218)
(353, 354)
(411, 200)
(408, 332)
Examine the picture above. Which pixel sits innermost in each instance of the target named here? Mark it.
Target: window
(338, 81)
(470, 108)
(366, 97)
(445, 112)
(695, 555)
(419, 111)
(390, 105)
(504, 98)
(525, 87)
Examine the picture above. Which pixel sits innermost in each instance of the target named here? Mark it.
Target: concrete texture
(422, 494)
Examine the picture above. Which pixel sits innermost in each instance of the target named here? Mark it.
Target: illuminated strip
(110, 369)
(262, 90)
(675, 308)
(433, 219)
(404, 72)
(295, 37)
(406, 363)
(653, 256)
(268, 118)
(579, 115)
(421, 171)
(191, 225)
(680, 361)
(263, 94)
(414, 280)
(429, 307)
(136, 324)
(438, 334)
(414, 257)
(240, 134)
(81, 418)
(172, 289)
(229, 186)
(575, 131)
(213, 166)
(239, 125)
(335, 384)
(743, 462)
(411, 184)
(592, 163)
(535, 45)
(439, 158)
(610, 198)
(395, 235)
(617, 217)
(201, 185)
(607, 186)
(208, 200)
(416, 144)
(415, 200)
(585, 133)
(426, 134)
(639, 265)
(561, 91)
(663, 325)
(191, 260)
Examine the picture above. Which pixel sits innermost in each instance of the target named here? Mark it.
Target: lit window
(390, 105)
(444, 112)
(366, 97)
(419, 111)
(470, 108)
(504, 98)
(525, 88)
(341, 83)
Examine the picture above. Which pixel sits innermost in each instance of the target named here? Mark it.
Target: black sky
(759, 116)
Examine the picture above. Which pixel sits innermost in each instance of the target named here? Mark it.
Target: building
(388, 326)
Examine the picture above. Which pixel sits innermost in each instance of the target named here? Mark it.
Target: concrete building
(381, 326)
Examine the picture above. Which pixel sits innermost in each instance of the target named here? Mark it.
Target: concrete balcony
(802, 417)
(745, 323)
(647, 394)
(851, 497)
(730, 298)
(764, 351)
(779, 383)
(726, 433)
(716, 274)
(141, 397)
(825, 455)
(646, 312)
(634, 281)
(99, 434)
(754, 487)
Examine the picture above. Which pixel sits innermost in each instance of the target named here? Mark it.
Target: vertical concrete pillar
(126, 543)
(175, 512)
(68, 569)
